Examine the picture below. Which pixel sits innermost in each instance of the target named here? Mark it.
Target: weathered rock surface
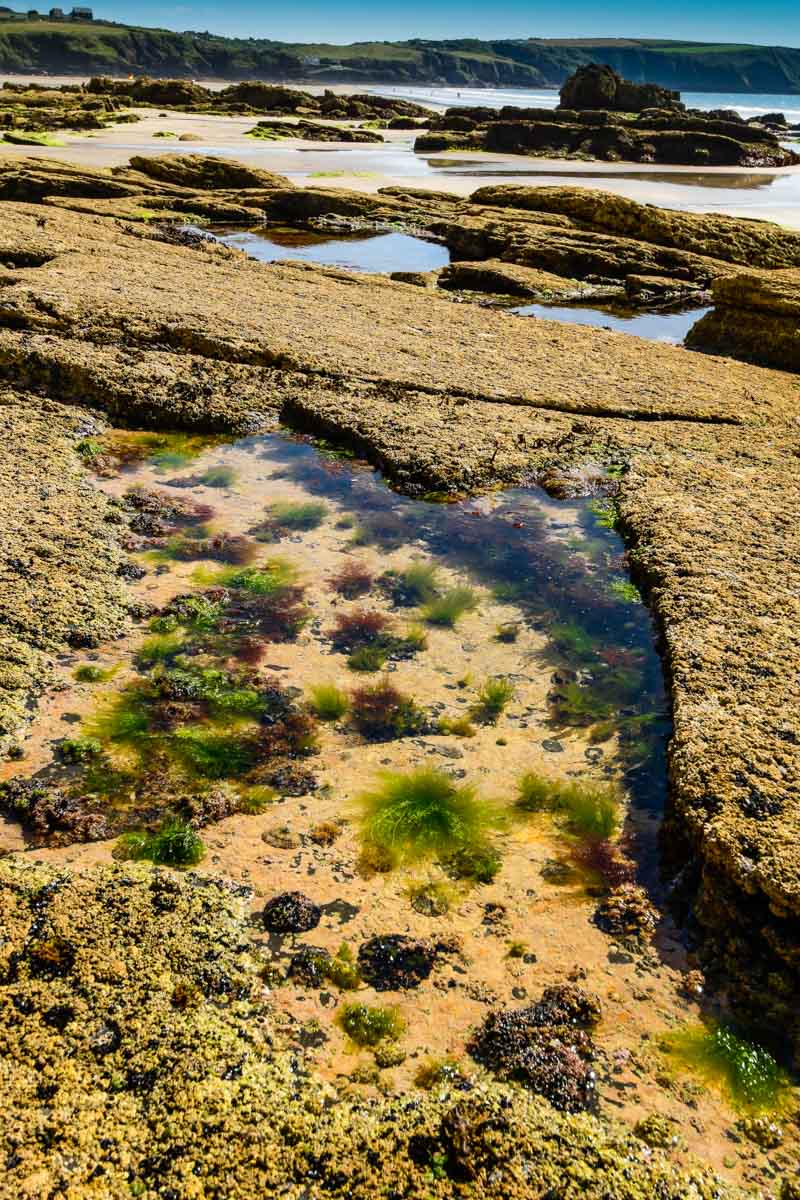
(756, 317)
(132, 1006)
(205, 171)
(312, 131)
(453, 397)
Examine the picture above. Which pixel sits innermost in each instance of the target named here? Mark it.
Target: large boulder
(596, 86)
(205, 172)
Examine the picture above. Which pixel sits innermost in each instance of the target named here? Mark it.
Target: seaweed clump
(368, 637)
(591, 810)
(744, 1071)
(369, 1025)
(425, 814)
(289, 516)
(381, 713)
(396, 962)
(627, 914)
(174, 843)
(354, 580)
(547, 1047)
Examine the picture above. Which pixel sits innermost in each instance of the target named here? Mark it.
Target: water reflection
(669, 327)
(371, 253)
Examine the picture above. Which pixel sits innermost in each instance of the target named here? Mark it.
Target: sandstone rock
(312, 131)
(509, 279)
(749, 243)
(205, 172)
(756, 317)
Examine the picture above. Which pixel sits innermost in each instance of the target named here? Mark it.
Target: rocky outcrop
(596, 86)
(756, 317)
(664, 133)
(311, 131)
(205, 171)
(729, 239)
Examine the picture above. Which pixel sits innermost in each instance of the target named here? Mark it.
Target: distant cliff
(63, 47)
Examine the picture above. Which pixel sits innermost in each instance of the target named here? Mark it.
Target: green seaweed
(574, 641)
(174, 843)
(494, 696)
(298, 516)
(424, 814)
(79, 750)
(446, 610)
(591, 810)
(622, 589)
(218, 477)
(90, 673)
(458, 726)
(368, 659)
(416, 584)
(214, 754)
(161, 648)
(745, 1072)
(328, 702)
(368, 1025)
(256, 799)
(265, 580)
(123, 719)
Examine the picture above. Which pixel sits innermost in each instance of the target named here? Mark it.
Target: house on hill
(81, 14)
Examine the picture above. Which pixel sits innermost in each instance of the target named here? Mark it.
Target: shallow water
(554, 570)
(370, 253)
(670, 327)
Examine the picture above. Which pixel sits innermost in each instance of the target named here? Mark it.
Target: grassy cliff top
(90, 47)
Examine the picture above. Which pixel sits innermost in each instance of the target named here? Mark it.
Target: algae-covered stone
(205, 171)
(132, 1010)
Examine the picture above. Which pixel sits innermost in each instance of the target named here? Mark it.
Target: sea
(747, 105)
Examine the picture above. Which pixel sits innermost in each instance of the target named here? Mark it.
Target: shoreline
(368, 168)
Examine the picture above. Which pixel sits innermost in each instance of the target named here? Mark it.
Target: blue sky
(772, 22)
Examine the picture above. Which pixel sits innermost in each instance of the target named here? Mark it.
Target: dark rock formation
(291, 912)
(396, 961)
(596, 86)
(604, 116)
(547, 1046)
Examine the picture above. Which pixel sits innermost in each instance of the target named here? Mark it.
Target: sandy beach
(765, 193)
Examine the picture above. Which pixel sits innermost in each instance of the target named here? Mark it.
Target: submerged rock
(291, 912)
(627, 913)
(546, 1046)
(396, 961)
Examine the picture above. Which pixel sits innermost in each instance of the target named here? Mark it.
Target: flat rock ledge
(104, 320)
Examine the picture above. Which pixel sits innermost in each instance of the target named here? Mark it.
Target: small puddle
(662, 326)
(370, 253)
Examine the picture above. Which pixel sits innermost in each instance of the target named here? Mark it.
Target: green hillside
(66, 47)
